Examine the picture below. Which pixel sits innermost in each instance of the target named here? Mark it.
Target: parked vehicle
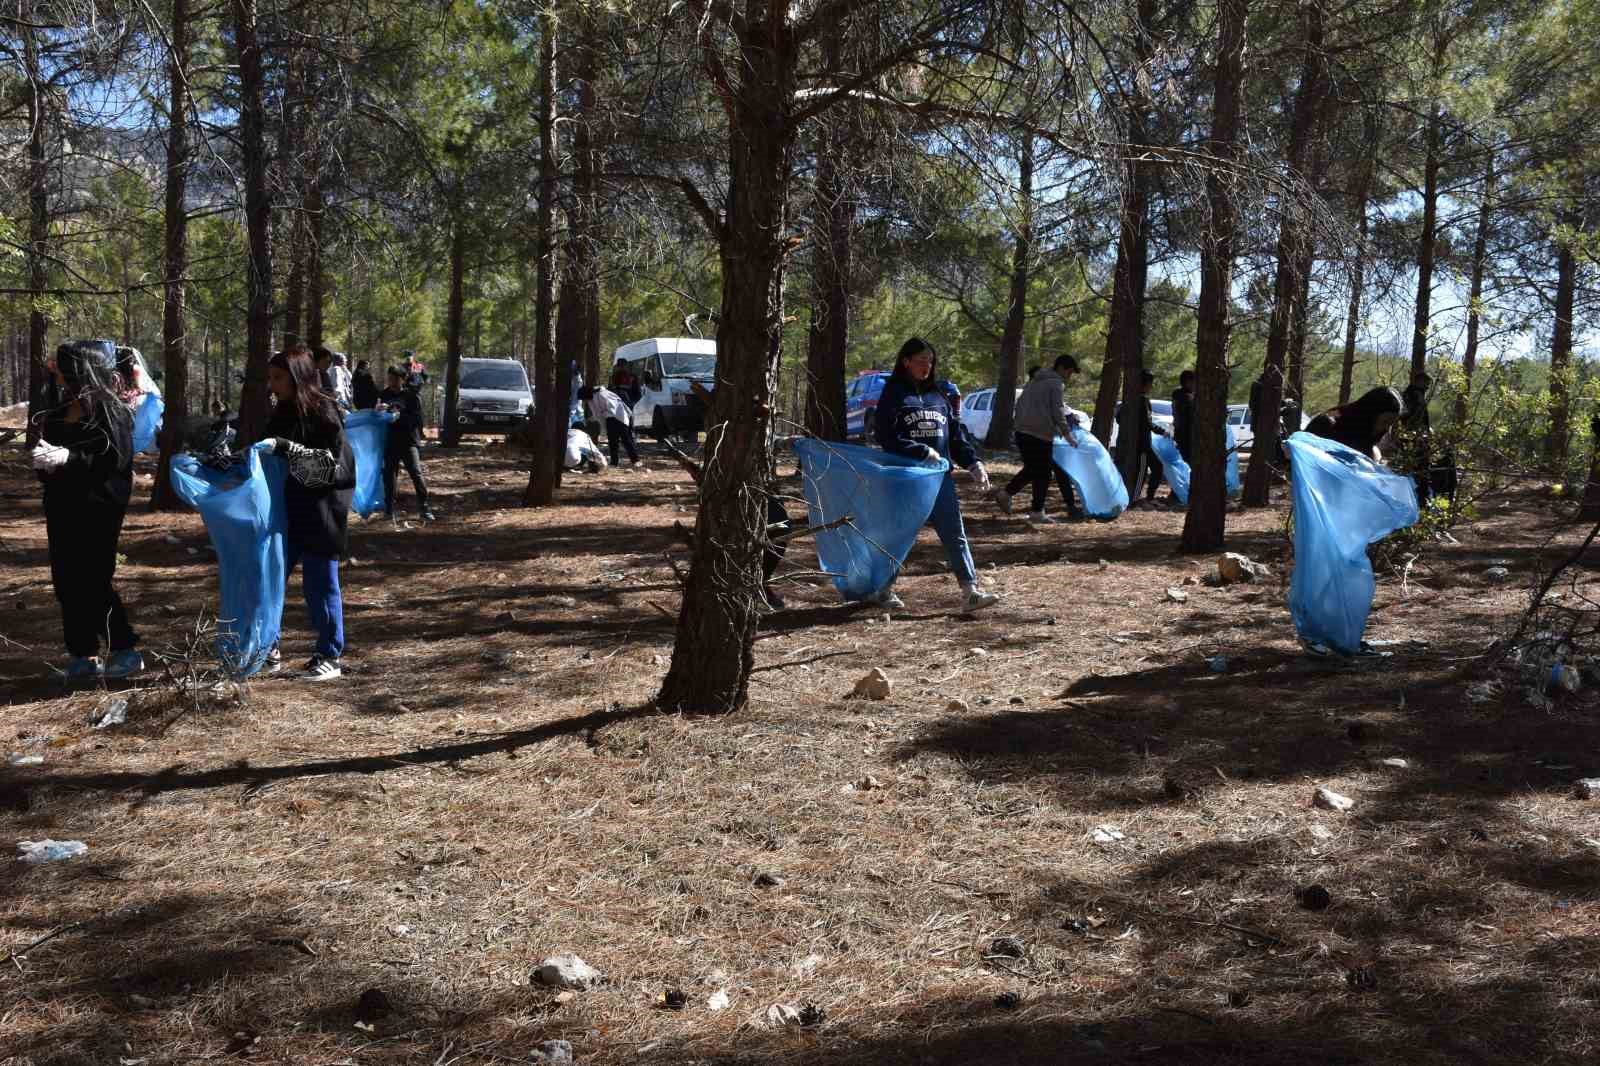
(1243, 432)
(494, 397)
(860, 401)
(667, 369)
(977, 411)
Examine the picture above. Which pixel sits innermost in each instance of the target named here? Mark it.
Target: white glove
(930, 455)
(47, 457)
(978, 471)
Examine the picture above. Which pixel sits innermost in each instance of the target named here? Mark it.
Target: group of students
(84, 460)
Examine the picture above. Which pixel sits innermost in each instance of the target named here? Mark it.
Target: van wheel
(658, 427)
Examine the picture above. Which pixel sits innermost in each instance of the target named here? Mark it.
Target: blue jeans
(324, 604)
(946, 521)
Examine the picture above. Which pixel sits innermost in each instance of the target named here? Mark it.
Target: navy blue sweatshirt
(913, 417)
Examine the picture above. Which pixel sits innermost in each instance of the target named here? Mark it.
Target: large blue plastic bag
(1235, 486)
(368, 434)
(243, 511)
(1343, 501)
(147, 421)
(1173, 466)
(1094, 473)
(888, 499)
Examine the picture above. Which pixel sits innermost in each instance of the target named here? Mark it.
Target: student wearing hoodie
(307, 431)
(84, 460)
(915, 419)
(1041, 416)
(1363, 423)
(402, 443)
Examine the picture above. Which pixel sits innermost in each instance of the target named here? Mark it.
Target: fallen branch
(20, 952)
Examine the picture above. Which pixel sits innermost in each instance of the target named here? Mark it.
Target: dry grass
(439, 822)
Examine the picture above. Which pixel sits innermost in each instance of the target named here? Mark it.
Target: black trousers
(391, 467)
(619, 432)
(1153, 474)
(773, 554)
(1038, 464)
(83, 559)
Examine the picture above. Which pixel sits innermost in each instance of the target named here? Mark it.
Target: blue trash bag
(888, 499)
(243, 511)
(147, 421)
(1235, 486)
(1173, 466)
(368, 434)
(1343, 501)
(1094, 473)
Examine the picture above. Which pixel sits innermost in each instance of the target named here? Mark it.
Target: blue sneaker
(124, 662)
(80, 668)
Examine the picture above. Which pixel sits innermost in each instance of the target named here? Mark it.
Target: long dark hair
(912, 347)
(1358, 419)
(88, 370)
(309, 403)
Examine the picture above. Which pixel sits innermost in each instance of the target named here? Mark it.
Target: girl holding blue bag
(306, 430)
(916, 418)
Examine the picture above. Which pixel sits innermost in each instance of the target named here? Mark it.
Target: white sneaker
(1002, 499)
(888, 599)
(977, 600)
(320, 669)
(1039, 518)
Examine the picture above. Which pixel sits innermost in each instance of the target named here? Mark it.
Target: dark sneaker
(124, 662)
(80, 668)
(320, 669)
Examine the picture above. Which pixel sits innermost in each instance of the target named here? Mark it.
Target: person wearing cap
(1041, 416)
(84, 460)
(404, 437)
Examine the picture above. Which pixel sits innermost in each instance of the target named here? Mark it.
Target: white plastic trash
(50, 850)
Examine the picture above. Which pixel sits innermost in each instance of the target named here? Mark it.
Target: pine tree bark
(1003, 408)
(1426, 244)
(454, 322)
(316, 281)
(1358, 284)
(39, 122)
(1480, 261)
(714, 651)
(1557, 443)
(1293, 238)
(586, 191)
(174, 333)
(833, 214)
(253, 402)
(1105, 400)
(550, 401)
(1204, 526)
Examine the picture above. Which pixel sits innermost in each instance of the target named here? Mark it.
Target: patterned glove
(312, 467)
(982, 474)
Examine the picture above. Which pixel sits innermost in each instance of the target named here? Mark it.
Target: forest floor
(487, 786)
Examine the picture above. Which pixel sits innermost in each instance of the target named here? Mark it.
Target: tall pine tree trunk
(174, 335)
(39, 121)
(1427, 243)
(1561, 353)
(454, 323)
(1003, 407)
(1480, 261)
(1105, 400)
(714, 651)
(1294, 235)
(253, 403)
(316, 278)
(586, 192)
(551, 403)
(1204, 526)
(833, 214)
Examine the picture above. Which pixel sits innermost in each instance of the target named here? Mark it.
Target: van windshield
(507, 378)
(683, 365)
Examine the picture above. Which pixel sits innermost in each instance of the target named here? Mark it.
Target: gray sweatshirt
(1041, 410)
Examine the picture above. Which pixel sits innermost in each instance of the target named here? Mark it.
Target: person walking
(610, 408)
(84, 460)
(915, 419)
(403, 441)
(1183, 415)
(1041, 416)
(307, 431)
(1139, 420)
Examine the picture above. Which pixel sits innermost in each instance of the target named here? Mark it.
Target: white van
(666, 368)
(494, 396)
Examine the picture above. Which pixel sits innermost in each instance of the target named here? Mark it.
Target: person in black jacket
(917, 419)
(1363, 423)
(306, 430)
(1183, 415)
(405, 435)
(84, 459)
(363, 387)
(1139, 420)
